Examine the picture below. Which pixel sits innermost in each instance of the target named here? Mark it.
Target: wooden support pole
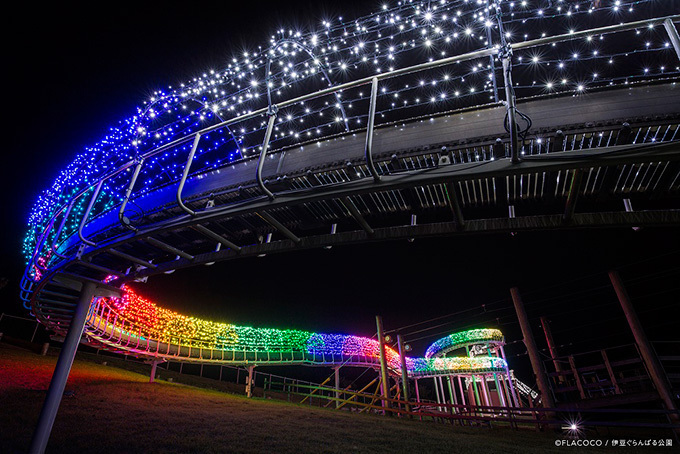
(577, 377)
(337, 386)
(532, 349)
(552, 348)
(656, 372)
(383, 364)
(404, 372)
(610, 371)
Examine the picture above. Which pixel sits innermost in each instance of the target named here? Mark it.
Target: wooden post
(337, 387)
(656, 372)
(383, 365)
(404, 372)
(532, 349)
(577, 377)
(552, 348)
(610, 371)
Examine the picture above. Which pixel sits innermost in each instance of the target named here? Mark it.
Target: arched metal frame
(358, 186)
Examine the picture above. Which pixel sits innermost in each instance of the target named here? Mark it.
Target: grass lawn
(116, 410)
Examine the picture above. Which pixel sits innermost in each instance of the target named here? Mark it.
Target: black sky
(71, 72)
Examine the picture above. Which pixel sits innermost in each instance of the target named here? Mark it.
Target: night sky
(73, 72)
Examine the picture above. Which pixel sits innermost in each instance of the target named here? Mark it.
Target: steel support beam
(62, 370)
(130, 258)
(572, 197)
(354, 211)
(454, 204)
(610, 156)
(217, 237)
(280, 227)
(166, 247)
(544, 222)
(99, 268)
(673, 35)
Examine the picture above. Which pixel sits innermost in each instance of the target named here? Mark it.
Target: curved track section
(135, 325)
(168, 190)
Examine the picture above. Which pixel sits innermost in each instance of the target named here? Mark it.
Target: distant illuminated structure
(135, 325)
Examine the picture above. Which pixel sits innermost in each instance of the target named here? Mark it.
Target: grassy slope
(114, 410)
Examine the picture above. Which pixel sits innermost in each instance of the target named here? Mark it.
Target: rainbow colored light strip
(153, 322)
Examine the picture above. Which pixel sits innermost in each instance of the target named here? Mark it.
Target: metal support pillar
(62, 370)
(436, 392)
(656, 372)
(673, 35)
(154, 365)
(475, 391)
(462, 390)
(415, 382)
(383, 364)
(485, 391)
(441, 390)
(532, 349)
(552, 348)
(510, 384)
(249, 385)
(452, 393)
(501, 396)
(404, 372)
(337, 386)
(506, 58)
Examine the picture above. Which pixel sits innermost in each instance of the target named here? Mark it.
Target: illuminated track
(289, 149)
(613, 153)
(137, 326)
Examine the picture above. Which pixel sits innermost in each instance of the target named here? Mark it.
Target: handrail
(386, 75)
(183, 180)
(121, 213)
(87, 214)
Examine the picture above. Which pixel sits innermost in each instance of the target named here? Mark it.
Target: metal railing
(28, 280)
(514, 417)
